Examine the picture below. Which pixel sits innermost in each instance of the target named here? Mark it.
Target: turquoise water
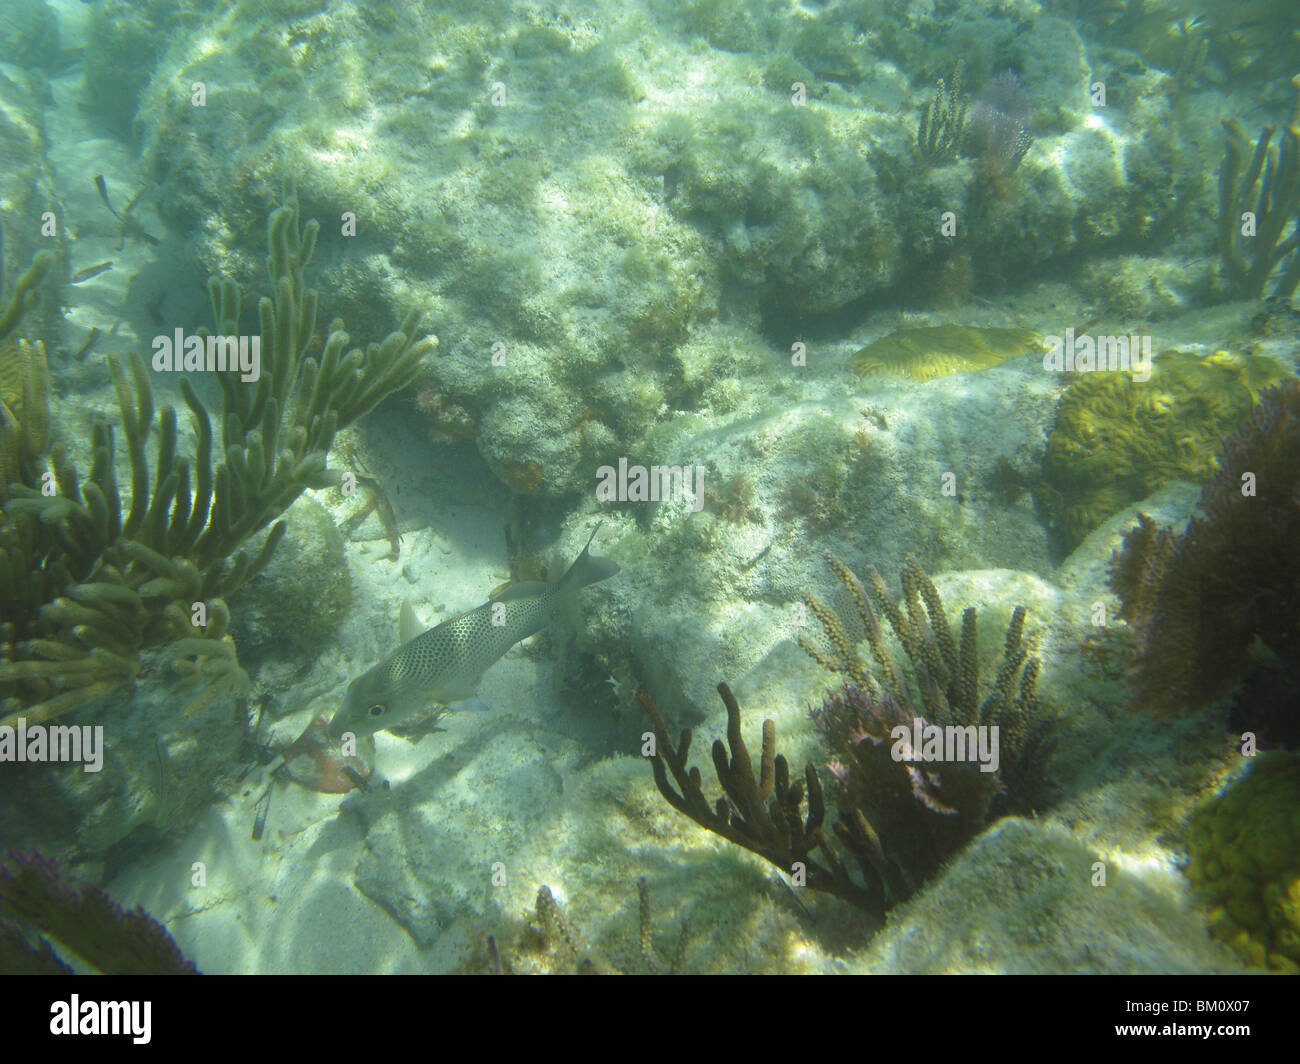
(920, 374)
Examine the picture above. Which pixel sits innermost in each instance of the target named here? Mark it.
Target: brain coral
(1244, 860)
(1117, 440)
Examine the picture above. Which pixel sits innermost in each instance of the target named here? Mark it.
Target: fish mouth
(335, 728)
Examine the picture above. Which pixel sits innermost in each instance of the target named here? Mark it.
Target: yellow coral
(939, 350)
(1118, 440)
(1244, 860)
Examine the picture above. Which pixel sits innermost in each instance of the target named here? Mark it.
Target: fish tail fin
(587, 568)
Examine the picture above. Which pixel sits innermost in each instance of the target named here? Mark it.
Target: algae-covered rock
(29, 33)
(581, 228)
(123, 44)
(1244, 860)
(1024, 898)
(1117, 440)
(297, 602)
(26, 194)
(161, 768)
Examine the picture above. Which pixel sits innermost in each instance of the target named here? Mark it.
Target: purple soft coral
(999, 124)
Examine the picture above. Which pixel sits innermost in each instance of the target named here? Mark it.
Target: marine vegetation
(994, 131)
(92, 579)
(1117, 440)
(37, 908)
(25, 295)
(999, 134)
(897, 820)
(764, 814)
(552, 944)
(1256, 207)
(1234, 37)
(24, 409)
(1207, 602)
(919, 808)
(1243, 858)
(938, 350)
(942, 127)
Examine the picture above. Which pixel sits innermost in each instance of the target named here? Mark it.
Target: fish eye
(376, 711)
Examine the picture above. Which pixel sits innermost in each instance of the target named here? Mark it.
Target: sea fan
(999, 124)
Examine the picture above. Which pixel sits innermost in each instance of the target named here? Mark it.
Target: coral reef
(734, 501)
(937, 350)
(1216, 40)
(1201, 600)
(922, 809)
(451, 422)
(79, 919)
(29, 33)
(552, 944)
(124, 42)
(25, 296)
(1255, 209)
(1243, 851)
(282, 619)
(1116, 440)
(728, 213)
(90, 587)
(998, 134)
(941, 130)
(902, 816)
(764, 813)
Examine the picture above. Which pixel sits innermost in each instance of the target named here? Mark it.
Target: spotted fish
(444, 664)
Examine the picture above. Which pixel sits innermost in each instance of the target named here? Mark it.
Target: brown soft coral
(922, 804)
(1199, 600)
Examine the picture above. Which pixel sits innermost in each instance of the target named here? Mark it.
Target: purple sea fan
(999, 124)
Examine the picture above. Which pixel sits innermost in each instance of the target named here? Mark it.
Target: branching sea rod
(91, 579)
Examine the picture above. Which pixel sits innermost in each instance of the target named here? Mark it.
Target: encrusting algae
(89, 587)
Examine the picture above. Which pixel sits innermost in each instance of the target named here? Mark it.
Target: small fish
(263, 810)
(130, 227)
(89, 272)
(444, 664)
(102, 185)
(91, 338)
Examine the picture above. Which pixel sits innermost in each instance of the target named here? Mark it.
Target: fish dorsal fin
(408, 624)
(523, 589)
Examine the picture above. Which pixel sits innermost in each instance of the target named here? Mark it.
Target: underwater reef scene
(668, 486)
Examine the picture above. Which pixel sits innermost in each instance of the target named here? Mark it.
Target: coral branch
(81, 919)
(87, 587)
(778, 832)
(1199, 600)
(1255, 209)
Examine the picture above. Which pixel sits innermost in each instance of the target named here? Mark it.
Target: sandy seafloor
(401, 879)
